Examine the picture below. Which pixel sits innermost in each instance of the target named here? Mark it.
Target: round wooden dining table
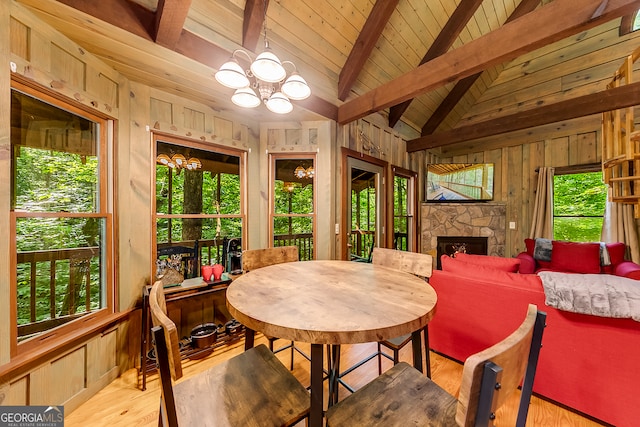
(331, 302)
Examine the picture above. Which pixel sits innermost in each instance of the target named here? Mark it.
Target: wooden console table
(175, 293)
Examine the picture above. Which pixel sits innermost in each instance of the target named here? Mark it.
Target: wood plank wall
(579, 65)
(44, 56)
(515, 177)
(384, 143)
(312, 139)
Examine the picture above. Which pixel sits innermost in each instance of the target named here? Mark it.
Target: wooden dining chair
(411, 262)
(418, 264)
(257, 258)
(251, 389)
(403, 396)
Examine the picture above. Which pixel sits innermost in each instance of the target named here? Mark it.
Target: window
(60, 211)
(198, 197)
(403, 209)
(579, 201)
(636, 22)
(293, 212)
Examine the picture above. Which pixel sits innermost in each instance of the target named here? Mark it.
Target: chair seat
(401, 397)
(397, 342)
(251, 389)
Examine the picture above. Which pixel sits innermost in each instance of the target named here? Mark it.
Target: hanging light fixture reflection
(304, 173)
(300, 172)
(265, 81)
(179, 161)
(288, 186)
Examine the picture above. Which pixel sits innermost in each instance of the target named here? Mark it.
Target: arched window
(636, 22)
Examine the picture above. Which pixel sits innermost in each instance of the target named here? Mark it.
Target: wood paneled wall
(315, 139)
(40, 54)
(516, 178)
(49, 59)
(372, 137)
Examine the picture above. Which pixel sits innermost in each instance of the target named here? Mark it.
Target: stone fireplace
(464, 220)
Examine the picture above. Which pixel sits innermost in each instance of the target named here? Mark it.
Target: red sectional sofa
(578, 257)
(588, 363)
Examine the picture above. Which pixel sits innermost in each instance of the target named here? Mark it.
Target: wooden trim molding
(626, 24)
(27, 361)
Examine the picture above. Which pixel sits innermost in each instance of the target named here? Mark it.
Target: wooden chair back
(258, 258)
(158, 308)
(506, 363)
(411, 262)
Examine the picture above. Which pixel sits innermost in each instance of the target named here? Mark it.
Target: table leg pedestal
(248, 338)
(416, 344)
(316, 412)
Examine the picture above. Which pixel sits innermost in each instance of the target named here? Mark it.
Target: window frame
(195, 144)
(571, 170)
(273, 157)
(627, 22)
(411, 208)
(60, 336)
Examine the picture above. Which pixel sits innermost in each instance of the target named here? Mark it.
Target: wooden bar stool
(402, 396)
(251, 389)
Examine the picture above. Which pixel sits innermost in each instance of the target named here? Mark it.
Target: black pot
(232, 327)
(205, 335)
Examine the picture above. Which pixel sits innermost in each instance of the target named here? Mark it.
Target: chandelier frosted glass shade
(179, 160)
(265, 81)
(163, 159)
(295, 87)
(245, 97)
(267, 67)
(279, 103)
(232, 75)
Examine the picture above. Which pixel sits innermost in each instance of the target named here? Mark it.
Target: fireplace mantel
(464, 219)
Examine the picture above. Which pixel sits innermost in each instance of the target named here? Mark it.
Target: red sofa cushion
(575, 257)
(462, 268)
(504, 264)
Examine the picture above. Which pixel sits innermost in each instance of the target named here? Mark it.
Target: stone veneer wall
(464, 219)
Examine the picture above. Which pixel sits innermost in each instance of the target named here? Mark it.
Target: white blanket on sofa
(597, 294)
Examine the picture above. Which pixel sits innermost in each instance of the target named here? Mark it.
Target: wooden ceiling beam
(364, 44)
(170, 18)
(461, 88)
(448, 35)
(140, 21)
(253, 22)
(123, 14)
(548, 24)
(606, 100)
(201, 50)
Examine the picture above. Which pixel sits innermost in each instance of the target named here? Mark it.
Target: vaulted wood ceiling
(421, 63)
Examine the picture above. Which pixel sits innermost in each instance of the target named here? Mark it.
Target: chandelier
(178, 161)
(265, 81)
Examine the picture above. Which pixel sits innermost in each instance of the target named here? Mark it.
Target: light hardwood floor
(123, 404)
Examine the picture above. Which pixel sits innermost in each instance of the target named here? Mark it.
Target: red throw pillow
(575, 257)
(509, 265)
(616, 252)
(530, 244)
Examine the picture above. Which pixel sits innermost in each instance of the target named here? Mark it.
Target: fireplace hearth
(451, 245)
